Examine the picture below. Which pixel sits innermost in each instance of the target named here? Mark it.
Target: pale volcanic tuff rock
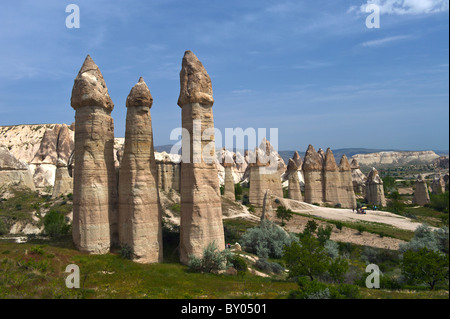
(294, 191)
(264, 174)
(169, 172)
(358, 178)
(267, 209)
(438, 184)
(347, 195)
(395, 158)
(94, 226)
(331, 179)
(313, 175)
(140, 216)
(201, 208)
(63, 181)
(421, 195)
(374, 189)
(229, 180)
(14, 173)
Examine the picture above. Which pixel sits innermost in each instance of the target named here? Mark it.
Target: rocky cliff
(381, 159)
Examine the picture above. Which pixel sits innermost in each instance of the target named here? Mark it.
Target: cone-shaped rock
(94, 225)
(294, 191)
(346, 193)
(201, 210)
(438, 185)
(267, 210)
(358, 178)
(312, 172)
(229, 180)
(140, 218)
(331, 179)
(297, 160)
(374, 189)
(421, 195)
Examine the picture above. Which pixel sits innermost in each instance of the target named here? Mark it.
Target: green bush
(267, 240)
(267, 266)
(439, 202)
(425, 237)
(239, 263)
(3, 228)
(212, 260)
(55, 225)
(126, 252)
(318, 290)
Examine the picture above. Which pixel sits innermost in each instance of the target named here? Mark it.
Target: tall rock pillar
(294, 191)
(229, 180)
(94, 224)
(140, 219)
(312, 173)
(347, 194)
(201, 210)
(374, 189)
(331, 179)
(421, 195)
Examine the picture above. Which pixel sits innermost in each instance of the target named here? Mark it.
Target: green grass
(370, 227)
(41, 275)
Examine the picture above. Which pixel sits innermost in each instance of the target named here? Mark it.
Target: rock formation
(393, 159)
(347, 196)
(294, 191)
(14, 173)
(438, 185)
(264, 175)
(331, 180)
(421, 196)
(312, 172)
(140, 219)
(63, 181)
(358, 178)
(201, 210)
(94, 225)
(374, 189)
(229, 180)
(168, 166)
(267, 210)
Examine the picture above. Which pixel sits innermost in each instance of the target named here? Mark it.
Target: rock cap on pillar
(140, 95)
(312, 160)
(195, 83)
(89, 87)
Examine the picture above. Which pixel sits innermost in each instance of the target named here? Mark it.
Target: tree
(425, 266)
(55, 225)
(306, 258)
(284, 214)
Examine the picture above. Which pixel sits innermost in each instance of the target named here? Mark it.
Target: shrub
(126, 252)
(212, 260)
(324, 234)
(338, 268)
(3, 228)
(267, 240)
(37, 250)
(339, 225)
(267, 266)
(245, 200)
(55, 225)
(318, 290)
(239, 263)
(424, 237)
(440, 202)
(360, 228)
(332, 248)
(284, 214)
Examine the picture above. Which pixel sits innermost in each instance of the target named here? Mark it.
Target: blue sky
(312, 69)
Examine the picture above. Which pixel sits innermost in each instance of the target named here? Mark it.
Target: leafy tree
(324, 234)
(389, 184)
(306, 258)
(310, 227)
(338, 268)
(55, 225)
(284, 214)
(425, 266)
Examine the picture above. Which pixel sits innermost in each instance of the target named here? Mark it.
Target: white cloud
(383, 41)
(403, 7)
